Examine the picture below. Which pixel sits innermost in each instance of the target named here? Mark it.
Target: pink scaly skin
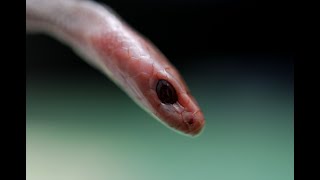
(125, 56)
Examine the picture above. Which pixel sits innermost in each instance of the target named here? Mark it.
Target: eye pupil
(166, 93)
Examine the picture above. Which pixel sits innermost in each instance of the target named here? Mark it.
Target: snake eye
(166, 93)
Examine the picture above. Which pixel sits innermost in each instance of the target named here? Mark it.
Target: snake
(96, 33)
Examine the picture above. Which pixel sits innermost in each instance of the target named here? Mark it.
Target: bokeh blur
(236, 58)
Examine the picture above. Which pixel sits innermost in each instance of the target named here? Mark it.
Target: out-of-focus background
(236, 57)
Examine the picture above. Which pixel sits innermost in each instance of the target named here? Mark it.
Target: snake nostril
(190, 121)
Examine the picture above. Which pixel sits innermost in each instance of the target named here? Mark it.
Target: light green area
(90, 130)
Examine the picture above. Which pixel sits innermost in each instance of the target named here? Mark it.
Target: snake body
(106, 42)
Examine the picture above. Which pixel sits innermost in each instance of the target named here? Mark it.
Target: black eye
(166, 93)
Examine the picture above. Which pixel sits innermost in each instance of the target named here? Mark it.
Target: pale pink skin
(128, 58)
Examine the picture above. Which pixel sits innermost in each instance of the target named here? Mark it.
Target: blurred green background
(82, 126)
